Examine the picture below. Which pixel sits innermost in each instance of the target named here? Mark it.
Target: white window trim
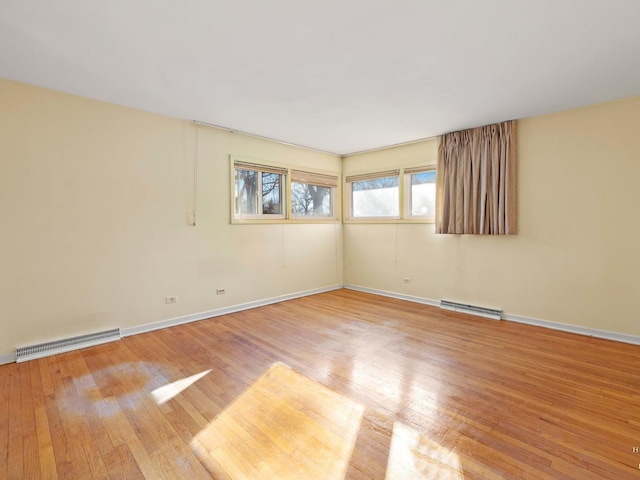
(408, 217)
(369, 175)
(323, 179)
(404, 191)
(250, 164)
(286, 170)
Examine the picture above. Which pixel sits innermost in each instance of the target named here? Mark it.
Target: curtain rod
(289, 144)
(260, 137)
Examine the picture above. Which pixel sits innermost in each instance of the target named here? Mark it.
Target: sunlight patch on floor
(284, 426)
(167, 392)
(108, 390)
(417, 457)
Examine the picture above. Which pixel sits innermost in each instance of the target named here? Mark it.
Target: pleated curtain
(476, 181)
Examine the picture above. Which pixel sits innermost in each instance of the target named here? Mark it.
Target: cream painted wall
(576, 258)
(96, 201)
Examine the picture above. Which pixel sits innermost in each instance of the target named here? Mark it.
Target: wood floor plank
(5, 390)
(445, 395)
(45, 453)
(15, 452)
(121, 464)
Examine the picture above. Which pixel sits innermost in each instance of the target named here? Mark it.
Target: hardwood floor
(442, 395)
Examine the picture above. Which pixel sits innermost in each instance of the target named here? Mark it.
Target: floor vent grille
(40, 350)
(472, 309)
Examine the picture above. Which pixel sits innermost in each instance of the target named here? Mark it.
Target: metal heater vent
(472, 309)
(66, 344)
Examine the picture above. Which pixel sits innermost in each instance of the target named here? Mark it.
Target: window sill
(427, 221)
(281, 221)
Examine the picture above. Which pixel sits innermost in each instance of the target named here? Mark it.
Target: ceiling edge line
(401, 144)
(261, 137)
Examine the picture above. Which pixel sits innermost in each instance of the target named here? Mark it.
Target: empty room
(319, 240)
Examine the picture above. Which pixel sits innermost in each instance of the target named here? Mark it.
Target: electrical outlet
(221, 291)
(406, 280)
(172, 299)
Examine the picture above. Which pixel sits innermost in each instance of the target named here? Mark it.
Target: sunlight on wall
(284, 426)
(166, 393)
(417, 457)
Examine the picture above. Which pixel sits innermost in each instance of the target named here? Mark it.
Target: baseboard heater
(66, 345)
(472, 309)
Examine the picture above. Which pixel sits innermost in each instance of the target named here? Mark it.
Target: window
(259, 191)
(402, 195)
(420, 192)
(312, 195)
(374, 195)
(272, 193)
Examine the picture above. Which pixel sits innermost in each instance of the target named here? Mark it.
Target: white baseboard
(149, 327)
(589, 332)
(399, 296)
(7, 358)
(565, 327)
(172, 322)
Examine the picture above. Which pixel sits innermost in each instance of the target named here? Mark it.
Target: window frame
(260, 169)
(327, 180)
(408, 194)
(287, 172)
(404, 195)
(371, 175)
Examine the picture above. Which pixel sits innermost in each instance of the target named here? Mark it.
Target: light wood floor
(442, 395)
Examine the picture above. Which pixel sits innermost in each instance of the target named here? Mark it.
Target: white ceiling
(339, 76)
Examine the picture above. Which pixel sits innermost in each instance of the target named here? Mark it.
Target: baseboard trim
(7, 358)
(565, 327)
(172, 322)
(399, 296)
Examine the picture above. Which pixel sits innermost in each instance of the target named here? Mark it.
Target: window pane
(423, 194)
(377, 197)
(271, 198)
(311, 200)
(246, 192)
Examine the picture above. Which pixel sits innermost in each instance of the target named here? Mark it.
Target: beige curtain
(476, 181)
